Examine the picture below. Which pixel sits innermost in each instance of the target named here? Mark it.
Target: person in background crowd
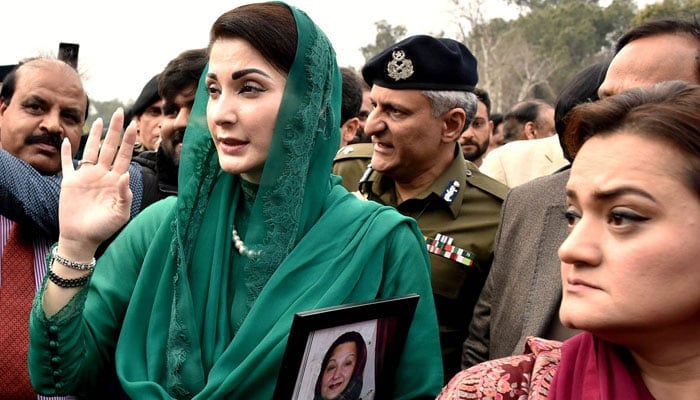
(358, 152)
(350, 106)
(475, 138)
(147, 111)
(531, 149)
(497, 134)
(365, 109)
(527, 120)
(177, 85)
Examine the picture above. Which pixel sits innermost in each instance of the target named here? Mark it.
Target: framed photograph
(352, 350)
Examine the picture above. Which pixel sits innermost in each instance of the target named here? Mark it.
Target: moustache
(51, 140)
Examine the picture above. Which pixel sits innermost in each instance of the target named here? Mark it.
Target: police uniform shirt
(350, 163)
(458, 214)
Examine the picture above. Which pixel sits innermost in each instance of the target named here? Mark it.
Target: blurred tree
(101, 109)
(386, 36)
(535, 54)
(535, 4)
(683, 9)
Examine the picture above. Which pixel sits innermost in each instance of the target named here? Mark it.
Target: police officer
(421, 89)
(351, 162)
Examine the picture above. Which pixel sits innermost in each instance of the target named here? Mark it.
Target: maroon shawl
(591, 368)
(582, 368)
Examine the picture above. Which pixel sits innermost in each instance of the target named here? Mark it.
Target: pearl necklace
(241, 247)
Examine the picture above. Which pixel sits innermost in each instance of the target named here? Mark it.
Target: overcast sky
(125, 42)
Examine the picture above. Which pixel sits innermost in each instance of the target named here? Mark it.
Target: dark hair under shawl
(296, 177)
(265, 26)
(354, 388)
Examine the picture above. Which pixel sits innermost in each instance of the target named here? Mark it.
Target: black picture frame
(384, 326)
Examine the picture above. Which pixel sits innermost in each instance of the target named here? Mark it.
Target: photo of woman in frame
(340, 363)
(357, 346)
(341, 372)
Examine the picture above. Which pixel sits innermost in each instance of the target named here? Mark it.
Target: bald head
(42, 102)
(647, 60)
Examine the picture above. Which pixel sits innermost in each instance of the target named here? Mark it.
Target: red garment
(581, 368)
(527, 376)
(592, 368)
(16, 295)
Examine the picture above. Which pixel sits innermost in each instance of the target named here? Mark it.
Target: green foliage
(535, 54)
(682, 9)
(101, 109)
(620, 15)
(538, 4)
(572, 34)
(386, 36)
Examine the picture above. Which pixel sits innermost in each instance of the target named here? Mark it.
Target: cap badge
(399, 67)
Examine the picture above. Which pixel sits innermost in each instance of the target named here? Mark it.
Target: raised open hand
(95, 198)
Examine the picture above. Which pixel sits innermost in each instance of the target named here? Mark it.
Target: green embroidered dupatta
(295, 183)
(320, 246)
(187, 317)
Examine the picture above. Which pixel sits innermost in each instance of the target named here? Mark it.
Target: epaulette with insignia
(357, 150)
(484, 182)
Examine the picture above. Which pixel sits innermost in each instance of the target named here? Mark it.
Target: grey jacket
(522, 293)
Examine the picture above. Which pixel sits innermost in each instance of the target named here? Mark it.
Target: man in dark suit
(523, 291)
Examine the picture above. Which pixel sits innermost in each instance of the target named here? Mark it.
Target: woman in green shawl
(196, 296)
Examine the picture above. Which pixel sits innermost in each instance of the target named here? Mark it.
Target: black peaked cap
(423, 62)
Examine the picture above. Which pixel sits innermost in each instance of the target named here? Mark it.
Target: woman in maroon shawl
(630, 270)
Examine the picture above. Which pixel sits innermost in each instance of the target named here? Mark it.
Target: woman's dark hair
(582, 88)
(360, 362)
(269, 27)
(666, 112)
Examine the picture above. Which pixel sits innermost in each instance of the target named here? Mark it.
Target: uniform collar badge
(451, 192)
(399, 67)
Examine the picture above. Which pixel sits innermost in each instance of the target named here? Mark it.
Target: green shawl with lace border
(294, 185)
(187, 317)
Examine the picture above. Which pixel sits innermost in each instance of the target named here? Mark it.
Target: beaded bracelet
(68, 283)
(89, 266)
